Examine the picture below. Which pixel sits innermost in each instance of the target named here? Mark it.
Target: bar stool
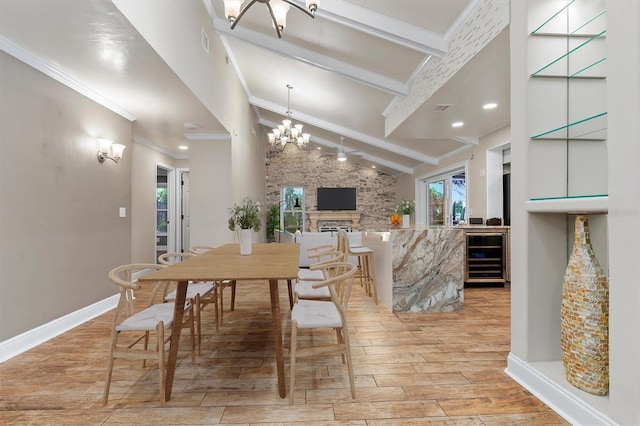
(366, 271)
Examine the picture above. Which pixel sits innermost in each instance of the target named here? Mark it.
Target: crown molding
(49, 70)
(151, 145)
(207, 136)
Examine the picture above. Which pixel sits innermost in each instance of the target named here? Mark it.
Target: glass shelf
(586, 129)
(596, 203)
(570, 51)
(570, 33)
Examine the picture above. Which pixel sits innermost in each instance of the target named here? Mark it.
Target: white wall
(623, 104)
(210, 192)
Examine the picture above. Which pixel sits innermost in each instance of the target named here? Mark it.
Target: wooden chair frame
(340, 283)
(199, 299)
(196, 250)
(123, 277)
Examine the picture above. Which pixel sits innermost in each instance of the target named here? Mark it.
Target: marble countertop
(423, 227)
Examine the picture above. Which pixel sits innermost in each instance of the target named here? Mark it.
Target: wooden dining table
(270, 262)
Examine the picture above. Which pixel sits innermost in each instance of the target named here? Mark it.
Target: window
(292, 211)
(162, 218)
(445, 198)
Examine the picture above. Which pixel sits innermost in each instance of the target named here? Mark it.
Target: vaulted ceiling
(354, 69)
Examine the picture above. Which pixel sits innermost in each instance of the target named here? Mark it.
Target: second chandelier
(287, 132)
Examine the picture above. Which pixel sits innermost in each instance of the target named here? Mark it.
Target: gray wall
(310, 168)
(59, 227)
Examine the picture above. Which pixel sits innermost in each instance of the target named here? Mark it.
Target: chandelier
(277, 9)
(287, 132)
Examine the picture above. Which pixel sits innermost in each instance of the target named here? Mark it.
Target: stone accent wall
(311, 169)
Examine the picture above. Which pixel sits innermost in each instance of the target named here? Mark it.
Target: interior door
(185, 226)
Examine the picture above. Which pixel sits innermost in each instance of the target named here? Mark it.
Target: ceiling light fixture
(490, 105)
(277, 9)
(457, 124)
(342, 156)
(287, 132)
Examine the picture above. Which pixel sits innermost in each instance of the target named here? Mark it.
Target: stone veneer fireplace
(311, 169)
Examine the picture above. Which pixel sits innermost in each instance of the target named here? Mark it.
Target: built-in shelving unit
(567, 100)
(561, 118)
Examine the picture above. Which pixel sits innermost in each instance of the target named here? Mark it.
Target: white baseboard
(23, 342)
(573, 409)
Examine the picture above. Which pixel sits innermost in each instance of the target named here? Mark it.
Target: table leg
(277, 336)
(178, 312)
(290, 289)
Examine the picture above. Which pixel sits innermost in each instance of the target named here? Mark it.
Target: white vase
(406, 220)
(245, 236)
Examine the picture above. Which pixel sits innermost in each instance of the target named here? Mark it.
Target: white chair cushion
(193, 289)
(360, 250)
(305, 290)
(307, 274)
(316, 314)
(148, 319)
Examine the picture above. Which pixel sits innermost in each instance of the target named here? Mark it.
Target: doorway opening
(165, 195)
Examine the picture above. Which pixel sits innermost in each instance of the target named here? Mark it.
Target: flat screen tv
(336, 198)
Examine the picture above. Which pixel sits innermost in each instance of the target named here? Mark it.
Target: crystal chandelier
(277, 9)
(287, 132)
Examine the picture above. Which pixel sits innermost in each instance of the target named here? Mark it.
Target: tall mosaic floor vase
(585, 317)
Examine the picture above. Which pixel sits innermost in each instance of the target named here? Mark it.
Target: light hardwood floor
(436, 369)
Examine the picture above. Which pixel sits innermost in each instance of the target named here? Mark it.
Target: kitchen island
(419, 269)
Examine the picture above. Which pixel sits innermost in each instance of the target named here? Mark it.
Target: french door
(445, 198)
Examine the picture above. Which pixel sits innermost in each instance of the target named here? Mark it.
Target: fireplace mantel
(334, 215)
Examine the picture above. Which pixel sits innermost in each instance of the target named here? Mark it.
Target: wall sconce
(108, 147)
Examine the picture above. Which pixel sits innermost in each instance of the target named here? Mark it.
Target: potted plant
(245, 218)
(273, 221)
(404, 209)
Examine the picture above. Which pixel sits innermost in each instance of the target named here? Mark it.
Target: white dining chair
(319, 314)
(221, 284)
(138, 319)
(366, 273)
(316, 253)
(304, 287)
(200, 294)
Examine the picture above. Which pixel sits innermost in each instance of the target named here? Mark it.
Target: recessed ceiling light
(457, 124)
(319, 148)
(373, 167)
(183, 147)
(490, 105)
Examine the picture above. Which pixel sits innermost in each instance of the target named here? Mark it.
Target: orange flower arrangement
(395, 219)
